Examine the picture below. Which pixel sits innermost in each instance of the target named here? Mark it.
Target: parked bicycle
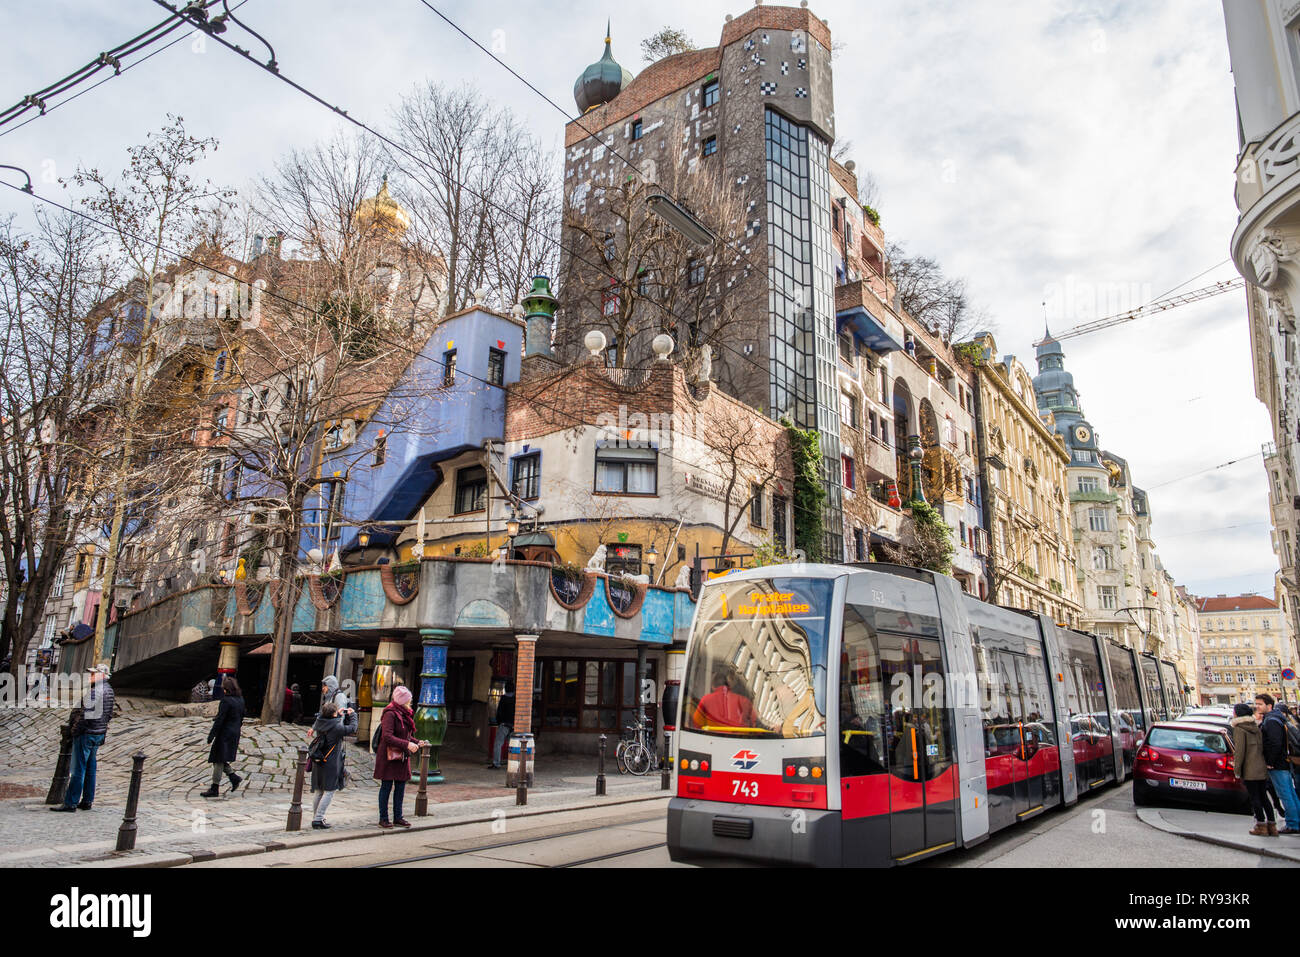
(636, 751)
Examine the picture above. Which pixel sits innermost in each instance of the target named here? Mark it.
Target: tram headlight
(803, 771)
(816, 772)
(685, 764)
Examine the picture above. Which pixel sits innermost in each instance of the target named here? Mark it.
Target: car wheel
(1138, 798)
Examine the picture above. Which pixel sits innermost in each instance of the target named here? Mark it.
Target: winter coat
(506, 710)
(398, 730)
(226, 728)
(97, 709)
(1273, 728)
(1248, 749)
(327, 775)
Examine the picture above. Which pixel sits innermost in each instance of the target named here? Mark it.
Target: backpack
(318, 751)
(378, 735)
(1292, 739)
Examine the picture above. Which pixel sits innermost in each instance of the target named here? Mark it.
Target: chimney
(273, 244)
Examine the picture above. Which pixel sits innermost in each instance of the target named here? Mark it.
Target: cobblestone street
(173, 819)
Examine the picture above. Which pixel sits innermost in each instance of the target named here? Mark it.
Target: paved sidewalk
(1227, 830)
(175, 825)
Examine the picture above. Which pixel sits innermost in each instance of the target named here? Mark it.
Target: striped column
(521, 740)
(227, 664)
(387, 660)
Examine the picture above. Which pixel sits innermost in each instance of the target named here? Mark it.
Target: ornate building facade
(1265, 246)
(1032, 559)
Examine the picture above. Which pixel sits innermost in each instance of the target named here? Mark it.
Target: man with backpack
(1273, 727)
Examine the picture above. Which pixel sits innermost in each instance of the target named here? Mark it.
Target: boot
(234, 781)
(210, 792)
(1261, 829)
(1272, 828)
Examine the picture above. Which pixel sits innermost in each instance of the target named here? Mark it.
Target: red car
(1188, 761)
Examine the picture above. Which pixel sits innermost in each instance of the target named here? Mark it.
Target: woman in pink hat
(397, 742)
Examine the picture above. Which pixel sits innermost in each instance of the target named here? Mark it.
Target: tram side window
(1126, 692)
(1002, 709)
(862, 699)
(1038, 702)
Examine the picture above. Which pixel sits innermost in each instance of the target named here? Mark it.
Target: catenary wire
(51, 108)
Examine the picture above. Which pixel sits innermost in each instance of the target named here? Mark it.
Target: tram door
(922, 776)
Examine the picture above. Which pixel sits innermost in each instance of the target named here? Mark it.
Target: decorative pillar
(387, 660)
(431, 715)
(521, 740)
(539, 318)
(364, 700)
(914, 455)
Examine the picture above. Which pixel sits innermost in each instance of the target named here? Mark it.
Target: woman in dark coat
(327, 771)
(397, 742)
(224, 736)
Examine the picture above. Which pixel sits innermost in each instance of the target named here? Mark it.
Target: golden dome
(383, 211)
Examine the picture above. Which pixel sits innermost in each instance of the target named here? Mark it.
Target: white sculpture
(705, 369)
(596, 562)
(683, 577)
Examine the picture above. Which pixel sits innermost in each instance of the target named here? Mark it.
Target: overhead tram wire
(109, 58)
(400, 346)
(96, 85)
(600, 267)
(1213, 468)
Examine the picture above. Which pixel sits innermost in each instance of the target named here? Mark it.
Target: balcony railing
(1101, 498)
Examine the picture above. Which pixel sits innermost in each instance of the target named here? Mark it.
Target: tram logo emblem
(744, 760)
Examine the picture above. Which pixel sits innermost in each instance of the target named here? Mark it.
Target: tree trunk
(282, 629)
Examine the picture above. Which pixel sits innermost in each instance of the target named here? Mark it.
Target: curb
(288, 840)
(1146, 816)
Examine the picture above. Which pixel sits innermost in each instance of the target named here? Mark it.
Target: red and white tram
(877, 715)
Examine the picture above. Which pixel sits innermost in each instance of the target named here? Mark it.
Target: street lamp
(512, 524)
(363, 539)
(679, 218)
(652, 558)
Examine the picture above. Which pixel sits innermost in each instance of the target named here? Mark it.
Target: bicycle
(635, 753)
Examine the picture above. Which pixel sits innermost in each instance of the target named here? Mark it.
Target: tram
(875, 715)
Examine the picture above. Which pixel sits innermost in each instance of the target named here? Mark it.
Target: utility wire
(110, 58)
(52, 107)
(1213, 468)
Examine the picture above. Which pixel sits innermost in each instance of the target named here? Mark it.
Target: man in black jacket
(87, 736)
(505, 723)
(1273, 728)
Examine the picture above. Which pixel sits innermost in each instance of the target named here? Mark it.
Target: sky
(1068, 158)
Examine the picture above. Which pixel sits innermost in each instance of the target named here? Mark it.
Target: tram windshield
(757, 666)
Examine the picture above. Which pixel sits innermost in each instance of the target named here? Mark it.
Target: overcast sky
(1078, 153)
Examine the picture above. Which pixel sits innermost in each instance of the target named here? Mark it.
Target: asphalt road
(1103, 830)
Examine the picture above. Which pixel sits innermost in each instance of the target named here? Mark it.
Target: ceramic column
(431, 715)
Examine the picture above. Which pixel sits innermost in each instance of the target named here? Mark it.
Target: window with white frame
(1099, 519)
(627, 471)
(1108, 597)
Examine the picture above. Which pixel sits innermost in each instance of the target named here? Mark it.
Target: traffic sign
(1288, 674)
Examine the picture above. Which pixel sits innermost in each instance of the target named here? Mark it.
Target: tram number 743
(746, 788)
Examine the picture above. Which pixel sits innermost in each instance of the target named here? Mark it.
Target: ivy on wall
(809, 495)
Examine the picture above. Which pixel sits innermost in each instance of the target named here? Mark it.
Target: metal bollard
(422, 795)
(59, 783)
(666, 765)
(600, 770)
(295, 809)
(126, 833)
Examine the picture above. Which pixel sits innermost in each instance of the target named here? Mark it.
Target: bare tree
(49, 283)
(626, 270)
(932, 298)
(151, 209)
(482, 195)
(668, 41)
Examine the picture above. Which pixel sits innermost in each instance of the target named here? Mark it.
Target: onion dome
(383, 211)
(600, 82)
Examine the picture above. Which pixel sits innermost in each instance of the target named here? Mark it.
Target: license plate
(1189, 785)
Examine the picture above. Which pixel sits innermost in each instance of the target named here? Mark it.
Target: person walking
(505, 724)
(330, 692)
(88, 733)
(397, 742)
(1248, 765)
(1273, 729)
(224, 736)
(327, 772)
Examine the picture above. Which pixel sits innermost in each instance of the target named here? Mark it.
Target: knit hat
(1241, 710)
(401, 694)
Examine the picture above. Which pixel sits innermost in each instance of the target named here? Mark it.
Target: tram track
(439, 855)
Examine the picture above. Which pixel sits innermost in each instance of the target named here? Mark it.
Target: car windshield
(1185, 739)
(757, 664)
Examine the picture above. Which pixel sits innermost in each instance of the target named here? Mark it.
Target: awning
(544, 539)
(875, 334)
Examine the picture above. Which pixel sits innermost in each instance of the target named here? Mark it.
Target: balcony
(877, 461)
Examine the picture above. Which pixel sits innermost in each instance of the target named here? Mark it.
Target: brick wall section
(579, 395)
(525, 666)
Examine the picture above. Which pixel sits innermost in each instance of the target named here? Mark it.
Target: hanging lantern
(894, 500)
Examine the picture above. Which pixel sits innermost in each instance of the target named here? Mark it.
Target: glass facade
(801, 301)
